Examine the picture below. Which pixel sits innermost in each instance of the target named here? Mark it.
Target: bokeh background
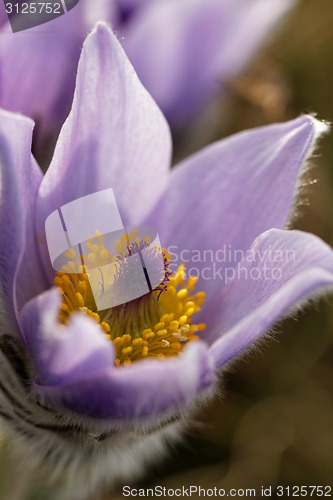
(274, 422)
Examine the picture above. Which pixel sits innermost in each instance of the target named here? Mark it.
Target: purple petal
(63, 353)
(289, 266)
(76, 369)
(184, 50)
(43, 61)
(139, 391)
(232, 191)
(3, 15)
(11, 235)
(114, 137)
(18, 206)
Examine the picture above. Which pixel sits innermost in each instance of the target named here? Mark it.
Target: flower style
(235, 194)
(182, 50)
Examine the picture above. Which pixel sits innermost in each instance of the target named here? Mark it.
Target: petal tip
(318, 127)
(321, 127)
(18, 117)
(102, 27)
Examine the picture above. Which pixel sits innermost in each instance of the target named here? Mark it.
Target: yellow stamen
(158, 324)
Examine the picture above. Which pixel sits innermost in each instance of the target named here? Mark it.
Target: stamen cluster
(158, 324)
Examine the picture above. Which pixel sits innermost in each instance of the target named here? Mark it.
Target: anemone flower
(95, 394)
(161, 38)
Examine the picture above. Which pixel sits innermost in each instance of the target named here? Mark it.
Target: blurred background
(273, 425)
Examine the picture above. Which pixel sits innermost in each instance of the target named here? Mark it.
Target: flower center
(158, 324)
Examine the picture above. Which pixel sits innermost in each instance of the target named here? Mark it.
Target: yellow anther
(160, 333)
(96, 317)
(182, 319)
(189, 303)
(176, 346)
(176, 332)
(79, 299)
(189, 312)
(117, 362)
(105, 326)
(174, 324)
(126, 350)
(127, 338)
(137, 341)
(66, 280)
(118, 341)
(145, 351)
(159, 325)
(148, 335)
(165, 318)
(182, 293)
(82, 286)
(58, 281)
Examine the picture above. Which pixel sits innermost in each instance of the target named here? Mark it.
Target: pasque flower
(65, 394)
(183, 51)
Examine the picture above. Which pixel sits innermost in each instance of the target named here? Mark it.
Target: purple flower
(182, 50)
(235, 195)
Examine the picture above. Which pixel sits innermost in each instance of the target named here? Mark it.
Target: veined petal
(115, 136)
(289, 266)
(24, 173)
(76, 370)
(232, 191)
